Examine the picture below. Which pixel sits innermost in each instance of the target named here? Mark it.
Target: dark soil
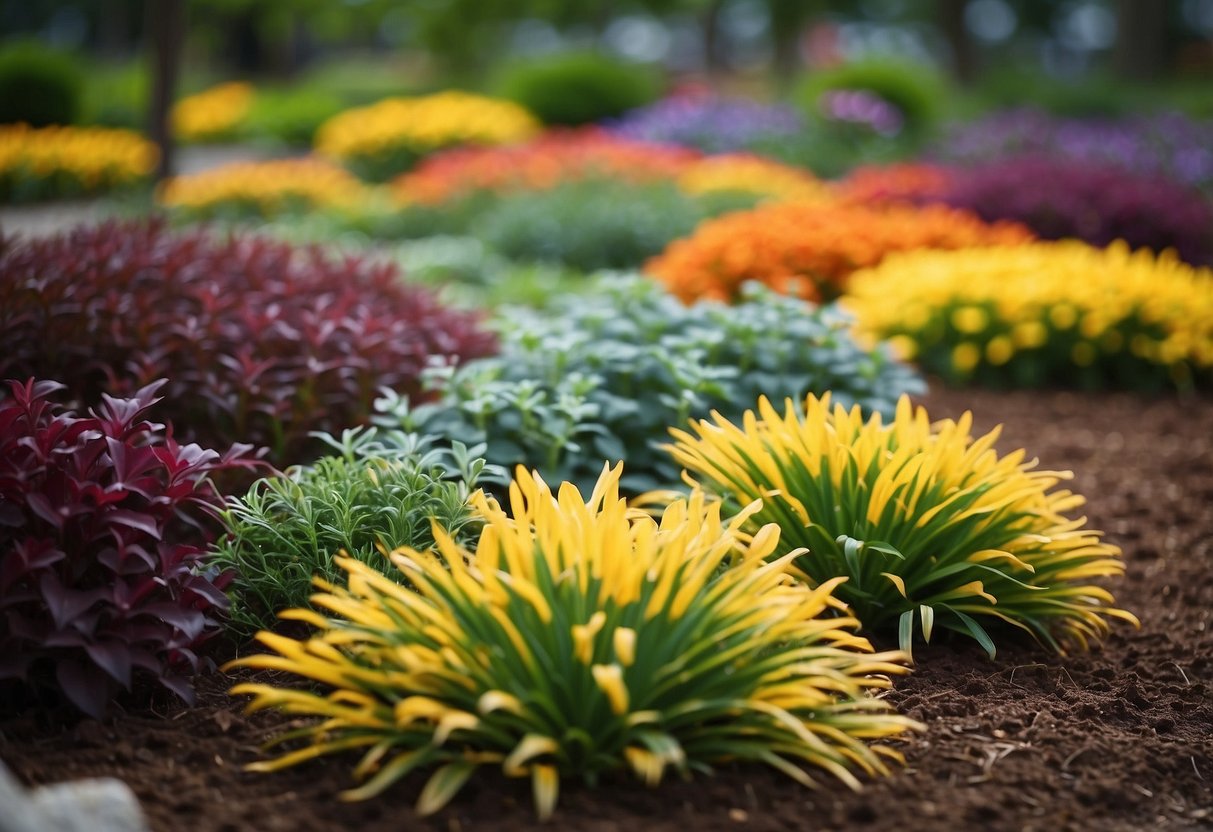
(1118, 739)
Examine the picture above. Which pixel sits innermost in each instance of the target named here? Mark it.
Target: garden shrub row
(57, 162)
(569, 637)
(385, 139)
(1057, 314)
(1057, 199)
(605, 376)
(261, 342)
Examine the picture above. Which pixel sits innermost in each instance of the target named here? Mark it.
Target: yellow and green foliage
(582, 638)
(215, 114)
(387, 138)
(929, 525)
(39, 163)
(1046, 313)
(265, 189)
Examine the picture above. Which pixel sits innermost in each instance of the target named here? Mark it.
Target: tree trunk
(166, 32)
(1141, 34)
(789, 20)
(713, 49)
(952, 22)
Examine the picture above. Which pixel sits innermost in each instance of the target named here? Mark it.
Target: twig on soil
(1011, 680)
(1181, 673)
(1065, 766)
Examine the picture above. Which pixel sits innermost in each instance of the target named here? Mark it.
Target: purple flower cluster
(710, 123)
(1169, 144)
(1063, 198)
(862, 108)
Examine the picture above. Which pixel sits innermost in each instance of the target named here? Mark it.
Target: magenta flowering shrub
(103, 519)
(261, 341)
(1063, 198)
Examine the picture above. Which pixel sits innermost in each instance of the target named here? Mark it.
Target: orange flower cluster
(810, 249)
(548, 161)
(878, 184)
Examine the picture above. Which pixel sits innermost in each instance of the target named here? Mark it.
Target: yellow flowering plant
(387, 138)
(1057, 313)
(746, 173)
(583, 637)
(265, 189)
(930, 526)
(48, 162)
(215, 114)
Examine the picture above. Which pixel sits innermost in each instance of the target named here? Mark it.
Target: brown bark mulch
(1117, 739)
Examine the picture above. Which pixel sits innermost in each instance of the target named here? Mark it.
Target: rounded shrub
(216, 114)
(261, 341)
(602, 377)
(914, 90)
(1063, 198)
(39, 86)
(52, 162)
(579, 87)
(364, 503)
(1058, 314)
(929, 526)
(385, 139)
(810, 249)
(261, 190)
(555, 158)
(593, 224)
(579, 640)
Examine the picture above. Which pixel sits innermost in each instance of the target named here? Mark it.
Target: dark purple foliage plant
(103, 523)
(261, 341)
(1097, 203)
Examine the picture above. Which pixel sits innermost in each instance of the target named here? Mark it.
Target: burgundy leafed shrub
(261, 341)
(103, 522)
(1064, 198)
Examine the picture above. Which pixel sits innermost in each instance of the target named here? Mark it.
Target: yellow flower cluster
(580, 638)
(1045, 313)
(213, 113)
(265, 188)
(94, 158)
(751, 174)
(424, 124)
(930, 528)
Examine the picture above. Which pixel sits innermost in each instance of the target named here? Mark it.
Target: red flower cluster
(552, 159)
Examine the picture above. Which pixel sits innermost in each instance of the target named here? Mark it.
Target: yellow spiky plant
(582, 637)
(928, 524)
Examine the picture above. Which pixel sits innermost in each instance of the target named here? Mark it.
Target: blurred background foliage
(1076, 57)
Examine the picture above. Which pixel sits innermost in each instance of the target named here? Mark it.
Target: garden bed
(1121, 738)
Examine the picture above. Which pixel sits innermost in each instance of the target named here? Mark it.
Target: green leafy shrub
(579, 87)
(603, 377)
(116, 95)
(931, 528)
(917, 91)
(39, 86)
(595, 224)
(577, 642)
(290, 117)
(365, 502)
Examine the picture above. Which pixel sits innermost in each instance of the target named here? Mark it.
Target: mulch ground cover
(1117, 739)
